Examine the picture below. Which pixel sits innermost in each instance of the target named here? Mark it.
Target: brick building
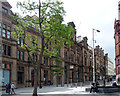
(117, 41)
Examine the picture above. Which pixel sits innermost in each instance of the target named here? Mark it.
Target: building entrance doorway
(32, 77)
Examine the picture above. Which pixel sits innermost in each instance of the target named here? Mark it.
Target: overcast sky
(89, 14)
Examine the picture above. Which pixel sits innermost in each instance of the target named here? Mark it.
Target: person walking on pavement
(12, 88)
(6, 88)
(94, 87)
(9, 88)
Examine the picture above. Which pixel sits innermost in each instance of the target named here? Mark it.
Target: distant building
(111, 71)
(101, 62)
(117, 41)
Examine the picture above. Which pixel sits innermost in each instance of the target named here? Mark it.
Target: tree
(57, 68)
(47, 22)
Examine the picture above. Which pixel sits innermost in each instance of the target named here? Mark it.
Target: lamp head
(98, 30)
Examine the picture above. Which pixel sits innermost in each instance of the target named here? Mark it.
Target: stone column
(42, 77)
(26, 76)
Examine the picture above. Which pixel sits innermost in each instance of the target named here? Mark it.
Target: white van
(118, 80)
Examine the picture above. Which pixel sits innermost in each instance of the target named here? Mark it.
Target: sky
(89, 14)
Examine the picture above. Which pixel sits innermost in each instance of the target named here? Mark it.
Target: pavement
(59, 91)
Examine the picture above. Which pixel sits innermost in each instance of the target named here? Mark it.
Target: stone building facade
(86, 61)
(111, 70)
(8, 60)
(16, 67)
(101, 63)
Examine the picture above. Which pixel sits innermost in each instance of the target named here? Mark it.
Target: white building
(110, 67)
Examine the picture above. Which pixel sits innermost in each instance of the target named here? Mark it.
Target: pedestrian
(6, 88)
(94, 87)
(44, 80)
(12, 88)
(49, 82)
(9, 88)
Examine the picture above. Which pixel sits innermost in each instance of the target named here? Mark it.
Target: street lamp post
(93, 55)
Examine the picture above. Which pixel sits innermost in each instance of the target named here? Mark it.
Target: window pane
(8, 27)
(0, 31)
(4, 49)
(4, 26)
(18, 40)
(22, 41)
(8, 34)
(22, 55)
(3, 33)
(36, 57)
(18, 57)
(9, 51)
(0, 49)
(4, 10)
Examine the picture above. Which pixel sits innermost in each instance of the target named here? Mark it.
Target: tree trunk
(35, 82)
(57, 81)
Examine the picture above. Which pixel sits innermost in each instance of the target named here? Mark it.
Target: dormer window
(4, 10)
